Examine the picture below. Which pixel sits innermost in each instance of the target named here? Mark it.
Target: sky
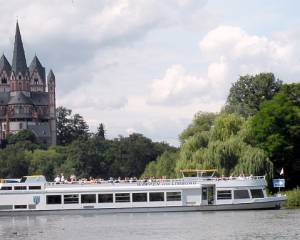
(149, 66)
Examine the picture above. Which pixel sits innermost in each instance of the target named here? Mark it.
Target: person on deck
(62, 178)
(57, 179)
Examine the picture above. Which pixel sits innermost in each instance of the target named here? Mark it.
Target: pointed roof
(19, 98)
(36, 65)
(4, 65)
(19, 60)
(50, 76)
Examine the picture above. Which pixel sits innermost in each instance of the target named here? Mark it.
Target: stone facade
(27, 98)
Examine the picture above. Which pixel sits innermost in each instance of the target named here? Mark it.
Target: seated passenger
(73, 178)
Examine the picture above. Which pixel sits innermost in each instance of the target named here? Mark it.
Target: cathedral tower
(25, 102)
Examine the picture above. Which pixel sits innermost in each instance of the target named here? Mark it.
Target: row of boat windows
(111, 198)
(239, 194)
(7, 188)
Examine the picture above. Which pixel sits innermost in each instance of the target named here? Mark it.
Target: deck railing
(156, 182)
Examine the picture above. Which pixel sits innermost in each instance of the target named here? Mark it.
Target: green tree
(101, 131)
(45, 162)
(163, 166)
(21, 136)
(85, 159)
(202, 121)
(276, 128)
(128, 156)
(70, 127)
(79, 127)
(166, 164)
(63, 125)
(225, 126)
(13, 163)
(247, 94)
(224, 147)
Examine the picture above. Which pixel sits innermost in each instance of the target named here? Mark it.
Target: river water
(271, 224)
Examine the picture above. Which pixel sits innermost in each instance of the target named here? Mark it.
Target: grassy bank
(293, 198)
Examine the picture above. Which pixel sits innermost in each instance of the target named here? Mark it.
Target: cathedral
(27, 98)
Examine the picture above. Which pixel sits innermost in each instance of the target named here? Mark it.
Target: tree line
(257, 132)
(78, 152)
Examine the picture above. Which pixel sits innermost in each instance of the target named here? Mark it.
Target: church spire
(51, 76)
(19, 60)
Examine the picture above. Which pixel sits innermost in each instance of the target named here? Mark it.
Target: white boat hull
(270, 203)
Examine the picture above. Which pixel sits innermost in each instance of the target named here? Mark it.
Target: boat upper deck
(186, 182)
(258, 181)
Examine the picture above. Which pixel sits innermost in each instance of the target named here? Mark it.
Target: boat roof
(198, 170)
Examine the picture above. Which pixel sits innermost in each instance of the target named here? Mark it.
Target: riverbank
(293, 198)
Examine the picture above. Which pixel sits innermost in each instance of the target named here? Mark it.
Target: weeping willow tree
(224, 142)
(226, 146)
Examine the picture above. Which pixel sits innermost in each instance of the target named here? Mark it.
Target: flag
(281, 172)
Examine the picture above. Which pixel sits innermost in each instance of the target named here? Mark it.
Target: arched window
(36, 81)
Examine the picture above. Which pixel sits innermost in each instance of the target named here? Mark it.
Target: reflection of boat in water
(202, 191)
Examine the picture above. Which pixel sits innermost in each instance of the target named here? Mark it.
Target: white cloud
(217, 73)
(181, 88)
(94, 21)
(248, 54)
(176, 87)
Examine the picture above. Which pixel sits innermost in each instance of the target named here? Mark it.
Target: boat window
(122, 197)
(53, 199)
(139, 197)
(173, 196)
(257, 193)
(6, 207)
(241, 194)
(105, 198)
(157, 197)
(20, 188)
(88, 198)
(71, 199)
(34, 187)
(20, 206)
(6, 188)
(224, 194)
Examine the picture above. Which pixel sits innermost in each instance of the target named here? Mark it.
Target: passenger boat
(200, 191)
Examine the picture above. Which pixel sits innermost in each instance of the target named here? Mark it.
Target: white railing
(156, 182)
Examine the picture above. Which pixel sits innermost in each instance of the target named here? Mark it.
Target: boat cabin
(197, 190)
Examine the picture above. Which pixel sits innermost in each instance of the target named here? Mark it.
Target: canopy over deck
(199, 172)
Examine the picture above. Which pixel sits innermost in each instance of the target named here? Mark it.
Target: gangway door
(208, 195)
